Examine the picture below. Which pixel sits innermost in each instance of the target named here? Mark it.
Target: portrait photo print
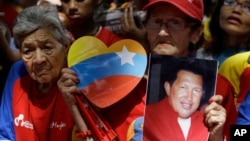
(178, 92)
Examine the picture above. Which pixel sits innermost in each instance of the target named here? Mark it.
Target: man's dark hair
(190, 65)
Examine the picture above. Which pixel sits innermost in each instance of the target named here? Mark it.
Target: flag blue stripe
(106, 65)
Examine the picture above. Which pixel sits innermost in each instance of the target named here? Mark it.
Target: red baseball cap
(193, 8)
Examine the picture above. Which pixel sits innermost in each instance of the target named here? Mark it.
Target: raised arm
(68, 87)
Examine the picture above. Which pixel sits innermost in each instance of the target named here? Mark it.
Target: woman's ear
(167, 87)
(196, 35)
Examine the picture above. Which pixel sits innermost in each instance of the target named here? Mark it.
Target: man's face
(185, 93)
(78, 11)
(174, 36)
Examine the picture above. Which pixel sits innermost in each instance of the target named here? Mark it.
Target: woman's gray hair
(34, 18)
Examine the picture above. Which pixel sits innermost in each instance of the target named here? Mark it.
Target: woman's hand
(68, 85)
(133, 29)
(215, 117)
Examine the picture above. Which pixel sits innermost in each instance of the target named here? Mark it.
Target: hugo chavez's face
(185, 93)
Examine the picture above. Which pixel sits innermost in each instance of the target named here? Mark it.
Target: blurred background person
(230, 30)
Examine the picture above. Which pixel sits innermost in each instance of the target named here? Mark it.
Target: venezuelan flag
(107, 74)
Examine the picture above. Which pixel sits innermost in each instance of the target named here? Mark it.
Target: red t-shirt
(226, 90)
(107, 37)
(38, 116)
(161, 124)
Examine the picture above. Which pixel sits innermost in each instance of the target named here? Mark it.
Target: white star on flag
(126, 56)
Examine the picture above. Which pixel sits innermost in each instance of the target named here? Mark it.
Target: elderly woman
(32, 107)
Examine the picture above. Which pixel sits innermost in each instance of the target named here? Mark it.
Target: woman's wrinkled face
(174, 34)
(43, 56)
(235, 20)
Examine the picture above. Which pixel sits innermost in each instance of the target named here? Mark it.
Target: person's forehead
(184, 73)
(166, 10)
(42, 33)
